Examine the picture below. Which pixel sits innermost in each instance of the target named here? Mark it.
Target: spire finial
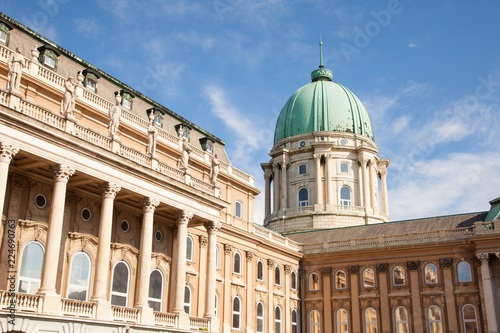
(320, 53)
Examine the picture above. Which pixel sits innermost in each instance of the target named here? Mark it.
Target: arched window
(79, 277)
(342, 321)
(401, 318)
(189, 249)
(236, 313)
(345, 196)
(430, 273)
(277, 319)
(435, 321)
(187, 299)
(277, 275)
(237, 263)
(303, 197)
(119, 289)
(238, 209)
(340, 280)
(155, 290)
(260, 270)
(260, 317)
(295, 322)
(469, 319)
(370, 320)
(217, 257)
(30, 271)
(314, 322)
(398, 276)
(368, 278)
(464, 272)
(293, 280)
(313, 281)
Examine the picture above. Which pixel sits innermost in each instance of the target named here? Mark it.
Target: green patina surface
(494, 213)
(322, 105)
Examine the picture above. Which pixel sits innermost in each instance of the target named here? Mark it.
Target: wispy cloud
(89, 27)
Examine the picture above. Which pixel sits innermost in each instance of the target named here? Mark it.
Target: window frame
(465, 321)
(217, 257)
(434, 321)
(462, 263)
(310, 276)
(30, 280)
(335, 279)
(240, 204)
(405, 322)
(304, 165)
(189, 304)
(338, 323)
(152, 299)
(311, 324)
(363, 278)
(237, 265)
(278, 321)
(189, 248)
(295, 323)
(426, 281)
(370, 322)
(346, 165)
(345, 202)
(394, 276)
(89, 274)
(4, 42)
(261, 318)
(262, 278)
(302, 203)
(236, 313)
(277, 275)
(293, 280)
(120, 294)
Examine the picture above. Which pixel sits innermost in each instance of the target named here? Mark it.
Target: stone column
(329, 184)
(385, 313)
(373, 185)
(109, 191)
(283, 187)
(446, 265)
(212, 229)
(182, 218)
(326, 273)
(267, 178)
(228, 301)
(319, 187)
(418, 324)
(276, 188)
(366, 182)
(144, 264)
(383, 183)
(7, 152)
(288, 311)
(270, 294)
(356, 315)
(61, 174)
(250, 306)
(488, 292)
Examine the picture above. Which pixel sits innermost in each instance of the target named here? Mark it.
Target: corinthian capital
(149, 204)
(183, 216)
(7, 151)
(213, 227)
(484, 258)
(61, 172)
(109, 190)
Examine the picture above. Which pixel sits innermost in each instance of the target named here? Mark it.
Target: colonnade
(488, 290)
(61, 174)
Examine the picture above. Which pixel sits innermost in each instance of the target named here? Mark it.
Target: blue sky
(428, 73)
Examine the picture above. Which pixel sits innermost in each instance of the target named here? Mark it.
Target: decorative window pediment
(159, 113)
(91, 77)
(207, 144)
(48, 56)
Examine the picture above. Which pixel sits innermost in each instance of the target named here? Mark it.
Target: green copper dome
(322, 105)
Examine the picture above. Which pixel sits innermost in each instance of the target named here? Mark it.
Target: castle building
(119, 215)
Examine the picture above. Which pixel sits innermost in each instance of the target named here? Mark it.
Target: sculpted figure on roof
(16, 64)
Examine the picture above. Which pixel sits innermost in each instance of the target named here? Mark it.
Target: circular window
(125, 226)
(302, 144)
(158, 236)
(343, 142)
(86, 215)
(40, 201)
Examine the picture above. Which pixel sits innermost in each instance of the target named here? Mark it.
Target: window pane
(313, 281)
(80, 295)
(399, 276)
(49, 61)
(155, 285)
(237, 263)
(344, 167)
(402, 328)
(120, 278)
(118, 300)
(3, 37)
(277, 276)
(260, 270)
(303, 194)
(156, 306)
(342, 316)
(434, 313)
(464, 273)
(32, 261)
(238, 209)
(340, 280)
(345, 193)
(293, 277)
(436, 328)
(431, 274)
(80, 267)
(236, 305)
(368, 278)
(302, 169)
(469, 312)
(189, 249)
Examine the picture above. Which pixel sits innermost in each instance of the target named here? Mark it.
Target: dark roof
(389, 228)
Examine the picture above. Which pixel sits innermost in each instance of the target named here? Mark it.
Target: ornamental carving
(109, 190)
(18, 182)
(413, 265)
(382, 268)
(7, 152)
(288, 269)
(203, 241)
(183, 217)
(483, 258)
(149, 205)
(228, 248)
(61, 172)
(326, 271)
(250, 255)
(213, 227)
(270, 262)
(446, 262)
(354, 269)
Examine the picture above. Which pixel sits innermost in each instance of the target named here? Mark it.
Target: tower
(324, 171)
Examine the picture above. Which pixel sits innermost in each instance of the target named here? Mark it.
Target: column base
(184, 321)
(51, 302)
(147, 315)
(104, 311)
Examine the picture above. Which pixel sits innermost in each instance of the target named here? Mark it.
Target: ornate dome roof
(322, 105)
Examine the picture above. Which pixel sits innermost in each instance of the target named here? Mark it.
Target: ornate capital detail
(354, 269)
(149, 204)
(326, 271)
(250, 255)
(18, 182)
(383, 172)
(183, 217)
(288, 269)
(484, 258)
(382, 268)
(413, 265)
(317, 157)
(228, 248)
(446, 262)
(109, 190)
(7, 152)
(213, 227)
(61, 172)
(203, 241)
(270, 262)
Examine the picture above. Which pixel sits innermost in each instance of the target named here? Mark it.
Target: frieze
(446, 262)
(382, 268)
(413, 265)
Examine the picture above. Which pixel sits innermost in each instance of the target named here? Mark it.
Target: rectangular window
(126, 103)
(49, 61)
(3, 38)
(91, 85)
(344, 167)
(302, 169)
(238, 209)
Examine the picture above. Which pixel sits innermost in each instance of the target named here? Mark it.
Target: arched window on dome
(345, 196)
(303, 197)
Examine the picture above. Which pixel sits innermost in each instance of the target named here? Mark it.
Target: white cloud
(412, 45)
(88, 27)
